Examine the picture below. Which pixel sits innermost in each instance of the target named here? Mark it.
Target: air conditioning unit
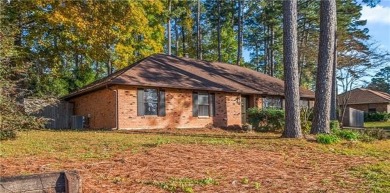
(77, 122)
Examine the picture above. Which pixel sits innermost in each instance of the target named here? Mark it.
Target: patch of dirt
(236, 169)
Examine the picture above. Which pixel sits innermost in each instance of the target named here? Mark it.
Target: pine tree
(321, 120)
(290, 59)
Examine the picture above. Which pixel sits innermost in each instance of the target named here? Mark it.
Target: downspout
(116, 106)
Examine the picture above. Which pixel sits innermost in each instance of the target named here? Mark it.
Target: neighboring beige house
(163, 91)
(365, 100)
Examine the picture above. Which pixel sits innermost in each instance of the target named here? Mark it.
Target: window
(203, 104)
(150, 102)
(272, 102)
(372, 110)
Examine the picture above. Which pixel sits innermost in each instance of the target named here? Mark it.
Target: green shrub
(347, 134)
(327, 138)
(255, 116)
(306, 117)
(14, 118)
(378, 116)
(269, 119)
(376, 133)
(7, 134)
(334, 125)
(366, 138)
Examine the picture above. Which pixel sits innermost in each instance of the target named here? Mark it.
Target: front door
(244, 108)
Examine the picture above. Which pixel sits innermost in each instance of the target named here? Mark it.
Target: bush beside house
(377, 116)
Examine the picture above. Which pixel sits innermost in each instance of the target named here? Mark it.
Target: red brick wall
(100, 105)
(178, 104)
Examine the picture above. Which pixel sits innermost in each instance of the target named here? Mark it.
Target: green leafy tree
(82, 37)
(227, 35)
(381, 81)
(13, 71)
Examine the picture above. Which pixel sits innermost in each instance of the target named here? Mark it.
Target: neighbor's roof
(166, 71)
(365, 96)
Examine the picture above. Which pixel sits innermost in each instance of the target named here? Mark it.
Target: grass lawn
(200, 161)
(385, 125)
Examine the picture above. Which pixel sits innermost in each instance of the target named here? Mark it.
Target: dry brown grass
(236, 162)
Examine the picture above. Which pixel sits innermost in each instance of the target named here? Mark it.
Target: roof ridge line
(377, 93)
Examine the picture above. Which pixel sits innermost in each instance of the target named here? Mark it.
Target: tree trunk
(76, 61)
(183, 36)
(265, 50)
(333, 107)
(272, 57)
(169, 28)
(269, 67)
(219, 31)
(257, 57)
(239, 34)
(109, 67)
(291, 81)
(176, 38)
(321, 119)
(199, 41)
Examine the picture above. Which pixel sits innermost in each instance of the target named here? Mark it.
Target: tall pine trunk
(239, 34)
(272, 56)
(199, 35)
(219, 31)
(169, 28)
(176, 37)
(325, 66)
(333, 106)
(291, 81)
(183, 36)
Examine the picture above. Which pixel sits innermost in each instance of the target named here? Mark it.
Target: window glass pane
(203, 110)
(203, 99)
(150, 101)
(272, 102)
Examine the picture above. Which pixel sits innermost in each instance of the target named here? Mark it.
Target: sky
(378, 23)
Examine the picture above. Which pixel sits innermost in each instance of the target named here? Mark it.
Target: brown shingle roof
(364, 96)
(166, 71)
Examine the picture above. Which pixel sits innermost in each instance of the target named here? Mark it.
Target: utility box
(353, 118)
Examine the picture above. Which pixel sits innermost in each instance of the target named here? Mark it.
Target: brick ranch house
(163, 91)
(365, 100)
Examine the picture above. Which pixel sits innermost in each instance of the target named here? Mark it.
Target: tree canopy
(64, 45)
